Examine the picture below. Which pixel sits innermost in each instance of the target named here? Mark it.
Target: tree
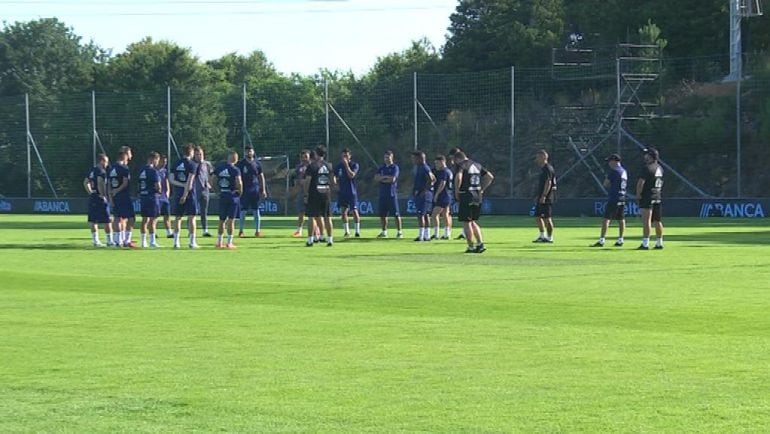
(45, 57)
(489, 34)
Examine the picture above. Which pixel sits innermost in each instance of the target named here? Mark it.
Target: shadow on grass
(753, 238)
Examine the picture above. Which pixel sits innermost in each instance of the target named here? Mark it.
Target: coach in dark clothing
(203, 187)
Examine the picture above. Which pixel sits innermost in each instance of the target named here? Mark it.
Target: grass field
(387, 335)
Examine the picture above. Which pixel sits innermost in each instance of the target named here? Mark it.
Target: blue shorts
(250, 200)
(123, 207)
(423, 204)
(189, 207)
(98, 210)
(150, 206)
(229, 208)
(443, 201)
(347, 200)
(165, 208)
(389, 205)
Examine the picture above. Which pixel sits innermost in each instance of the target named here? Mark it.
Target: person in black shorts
(649, 188)
(544, 196)
(616, 183)
(471, 181)
(320, 176)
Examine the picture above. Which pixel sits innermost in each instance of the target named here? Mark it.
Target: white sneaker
(154, 245)
(177, 246)
(98, 244)
(194, 245)
(144, 245)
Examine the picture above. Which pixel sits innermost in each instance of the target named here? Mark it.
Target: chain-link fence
(580, 109)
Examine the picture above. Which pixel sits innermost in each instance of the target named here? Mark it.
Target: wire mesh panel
(13, 148)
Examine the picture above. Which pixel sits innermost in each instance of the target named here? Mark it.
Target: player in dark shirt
(299, 180)
(454, 168)
(230, 189)
(182, 177)
(471, 180)
(149, 197)
(118, 186)
(131, 219)
(387, 178)
(165, 191)
(422, 193)
(545, 192)
(318, 192)
(203, 187)
(254, 190)
(649, 189)
(95, 185)
(346, 173)
(442, 198)
(616, 183)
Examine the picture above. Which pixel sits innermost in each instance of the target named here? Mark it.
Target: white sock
(542, 235)
(176, 238)
(435, 231)
(346, 225)
(169, 232)
(192, 238)
(153, 238)
(549, 237)
(220, 237)
(330, 240)
(620, 239)
(358, 227)
(128, 237)
(646, 242)
(144, 239)
(229, 239)
(122, 237)
(95, 237)
(399, 233)
(659, 241)
(601, 240)
(447, 232)
(299, 229)
(384, 232)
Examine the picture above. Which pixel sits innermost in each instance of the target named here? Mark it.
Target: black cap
(613, 157)
(249, 147)
(652, 152)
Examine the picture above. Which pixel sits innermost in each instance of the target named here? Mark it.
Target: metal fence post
(513, 129)
(414, 80)
(29, 147)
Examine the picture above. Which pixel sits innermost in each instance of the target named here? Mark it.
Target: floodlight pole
(245, 118)
(29, 148)
(414, 80)
(738, 144)
(618, 113)
(168, 122)
(326, 109)
(513, 128)
(93, 124)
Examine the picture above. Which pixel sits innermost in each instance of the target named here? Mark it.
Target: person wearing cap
(544, 196)
(616, 183)
(649, 188)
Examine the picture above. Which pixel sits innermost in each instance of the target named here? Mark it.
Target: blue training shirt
(183, 170)
(422, 179)
(148, 178)
(226, 176)
(386, 189)
(347, 184)
(618, 178)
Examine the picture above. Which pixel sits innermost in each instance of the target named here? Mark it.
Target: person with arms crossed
(120, 200)
(347, 196)
(545, 192)
(165, 203)
(422, 192)
(387, 178)
(442, 199)
(299, 179)
(649, 190)
(203, 187)
(95, 185)
(185, 203)
(471, 182)
(320, 182)
(253, 190)
(149, 198)
(616, 183)
(230, 189)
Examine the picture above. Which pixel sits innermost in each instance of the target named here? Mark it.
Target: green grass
(387, 335)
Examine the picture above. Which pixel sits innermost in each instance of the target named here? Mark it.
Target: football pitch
(387, 335)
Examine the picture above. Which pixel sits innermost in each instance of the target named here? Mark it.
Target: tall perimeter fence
(713, 134)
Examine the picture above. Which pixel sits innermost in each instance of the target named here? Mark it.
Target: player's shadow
(42, 224)
(753, 238)
(47, 246)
